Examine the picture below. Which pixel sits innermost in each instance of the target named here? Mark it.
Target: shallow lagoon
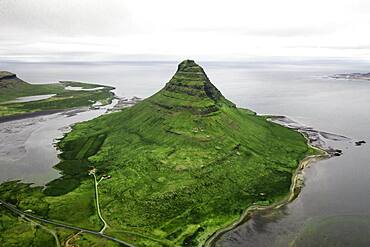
(31, 98)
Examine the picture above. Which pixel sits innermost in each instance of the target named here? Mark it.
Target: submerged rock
(359, 143)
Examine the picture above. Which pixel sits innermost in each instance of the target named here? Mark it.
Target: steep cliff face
(190, 89)
(10, 80)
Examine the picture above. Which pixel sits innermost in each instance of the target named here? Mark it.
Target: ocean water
(333, 208)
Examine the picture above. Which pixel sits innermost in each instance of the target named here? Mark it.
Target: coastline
(294, 190)
(25, 115)
(28, 115)
(49, 124)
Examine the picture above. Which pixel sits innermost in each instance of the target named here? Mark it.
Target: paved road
(21, 213)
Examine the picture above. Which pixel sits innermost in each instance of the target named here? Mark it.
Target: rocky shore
(316, 138)
(125, 102)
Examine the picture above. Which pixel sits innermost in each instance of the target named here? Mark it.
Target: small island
(19, 98)
(172, 170)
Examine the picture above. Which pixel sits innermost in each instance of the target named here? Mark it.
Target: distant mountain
(182, 163)
(354, 76)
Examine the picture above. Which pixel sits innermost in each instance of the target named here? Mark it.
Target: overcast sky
(70, 30)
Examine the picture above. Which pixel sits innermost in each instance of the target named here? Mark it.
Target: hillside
(10, 80)
(12, 87)
(172, 169)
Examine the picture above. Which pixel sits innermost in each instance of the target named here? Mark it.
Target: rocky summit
(190, 89)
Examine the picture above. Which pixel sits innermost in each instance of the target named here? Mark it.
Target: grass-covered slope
(184, 162)
(11, 88)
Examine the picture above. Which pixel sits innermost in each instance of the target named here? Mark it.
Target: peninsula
(169, 171)
(19, 98)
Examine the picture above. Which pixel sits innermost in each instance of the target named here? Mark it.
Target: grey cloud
(271, 32)
(348, 47)
(355, 47)
(291, 32)
(62, 18)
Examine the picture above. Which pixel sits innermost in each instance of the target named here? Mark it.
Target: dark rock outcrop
(10, 80)
(359, 143)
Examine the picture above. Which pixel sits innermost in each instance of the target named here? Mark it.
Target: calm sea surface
(333, 208)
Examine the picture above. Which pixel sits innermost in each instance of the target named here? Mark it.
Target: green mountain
(170, 171)
(190, 90)
(184, 163)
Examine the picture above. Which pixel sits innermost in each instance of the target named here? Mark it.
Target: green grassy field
(12, 88)
(16, 231)
(184, 163)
